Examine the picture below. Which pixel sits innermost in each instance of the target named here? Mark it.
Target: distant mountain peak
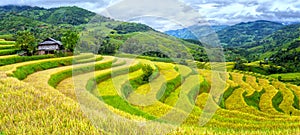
(189, 33)
(235, 35)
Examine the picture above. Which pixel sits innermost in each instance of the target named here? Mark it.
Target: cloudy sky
(215, 11)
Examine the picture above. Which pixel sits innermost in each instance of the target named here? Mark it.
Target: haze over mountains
(189, 33)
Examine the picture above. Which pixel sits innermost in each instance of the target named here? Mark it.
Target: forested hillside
(62, 15)
(41, 22)
(250, 41)
(274, 54)
(275, 42)
(99, 34)
(232, 36)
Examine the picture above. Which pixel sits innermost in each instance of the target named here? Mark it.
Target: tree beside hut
(26, 42)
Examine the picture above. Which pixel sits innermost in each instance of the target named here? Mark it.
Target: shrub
(121, 104)
(170, 87)
(131, 85)
(148, 71)
(230, 77)
(18, 59)
(8, 37)
(23, 71)
(60, 54)
(7, 42)
(2, 47)
(58, 77)
(254, 99)
(244, 78)
(296, 101)
(226, 95)
(8, 52)
(276, 100)
(204, 87)
(183, 62)
(92, 83)
(192, 95)
(167, 60)
(134, 83)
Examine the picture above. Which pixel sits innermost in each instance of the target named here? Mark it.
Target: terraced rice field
(7, 48)
(92, 94)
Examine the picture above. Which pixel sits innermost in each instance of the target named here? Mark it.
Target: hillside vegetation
(245, 33)
(99, 34)
(250, 41)
(62, 15)
(277, 41)
(279, 51)
(232, 36)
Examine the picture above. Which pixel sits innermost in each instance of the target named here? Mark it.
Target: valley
(128, 78)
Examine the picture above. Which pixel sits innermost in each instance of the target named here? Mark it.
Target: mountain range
(250, 41)
(190, 32)
(235, 35)
(99, 34)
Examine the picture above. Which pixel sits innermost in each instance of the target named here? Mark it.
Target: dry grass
(29, 110)
(35, 107)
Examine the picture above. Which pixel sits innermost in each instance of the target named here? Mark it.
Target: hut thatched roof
(50, 41)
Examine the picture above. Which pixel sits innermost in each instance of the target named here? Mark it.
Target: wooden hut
(49, 46)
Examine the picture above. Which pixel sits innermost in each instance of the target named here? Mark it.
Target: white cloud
(231, 12)
(218, 11)
(159, 24)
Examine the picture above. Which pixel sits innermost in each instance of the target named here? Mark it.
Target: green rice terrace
(93, 94)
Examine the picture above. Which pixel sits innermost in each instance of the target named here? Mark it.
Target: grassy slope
(150, 39)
